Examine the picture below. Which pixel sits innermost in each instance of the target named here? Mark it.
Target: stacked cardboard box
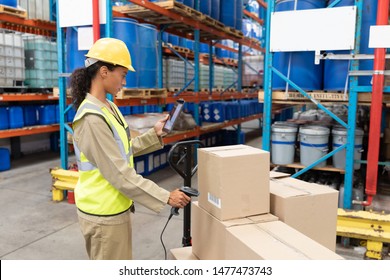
(232, 218)
(183, 254)
(307, 207)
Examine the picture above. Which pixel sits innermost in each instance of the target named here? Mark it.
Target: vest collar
(97, 102)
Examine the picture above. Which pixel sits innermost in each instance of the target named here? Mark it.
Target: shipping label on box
(233, 181)
(307, 207)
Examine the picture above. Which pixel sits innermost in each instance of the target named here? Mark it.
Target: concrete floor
(33, 227)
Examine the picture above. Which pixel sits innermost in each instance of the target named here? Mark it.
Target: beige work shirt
(95, 139)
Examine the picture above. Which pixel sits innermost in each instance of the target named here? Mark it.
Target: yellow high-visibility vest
(93, 193)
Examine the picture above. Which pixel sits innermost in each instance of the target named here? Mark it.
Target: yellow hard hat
(112, 51)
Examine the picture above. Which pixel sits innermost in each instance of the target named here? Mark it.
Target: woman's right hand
(178, 199)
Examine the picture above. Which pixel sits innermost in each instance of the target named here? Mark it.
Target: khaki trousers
(107, 238)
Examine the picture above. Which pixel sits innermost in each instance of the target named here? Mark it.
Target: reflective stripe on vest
(94, 194)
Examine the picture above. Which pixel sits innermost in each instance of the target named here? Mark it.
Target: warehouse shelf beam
(27, 97)
(352, 109)
(33, 26)
(324, 158)
(313, 100)
(252, 16)
(62, 92)
(193, 23)
(353, 99)
(29, 130)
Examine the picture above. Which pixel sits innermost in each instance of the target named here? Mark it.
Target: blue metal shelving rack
(352, 102)
(64, 108)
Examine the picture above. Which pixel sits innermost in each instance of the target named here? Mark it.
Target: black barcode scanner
(188, 191)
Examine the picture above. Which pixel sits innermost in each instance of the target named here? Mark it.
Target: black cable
(165, 251)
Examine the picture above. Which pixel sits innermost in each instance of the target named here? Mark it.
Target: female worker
(108, 183)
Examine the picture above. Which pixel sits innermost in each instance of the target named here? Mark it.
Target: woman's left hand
(158, 127)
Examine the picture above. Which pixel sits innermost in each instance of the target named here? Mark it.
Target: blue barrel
(183, 42)
(47, 114)
(126, 29)
(186, 43)
(11, 3)
(203, 48)
(174, 39)
(205, 7)
(247, 27)
(165, 37)
(30, 115)
(222, 53)
(218, 112)
(57, 112)
(215, 9)
(303, 71)
(5, 159)
(148, 61)
(4, 118)
(71, 114)
(228, 12)
(15, 116)
(189, 3)
(370, 8)
(190, 44)
(252, 7)
(336, 71)
(74, 57)
(239, 15)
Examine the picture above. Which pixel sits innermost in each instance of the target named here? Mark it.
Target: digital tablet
(173, 116)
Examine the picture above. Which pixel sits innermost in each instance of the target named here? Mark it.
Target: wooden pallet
(181, 9)
(158, 92)
(13, 11)
(181, 49)
(149, 15)
(229, 60)
(174, 89)
(234, 32)
(363, 97)
(144, 93)
(209, 21)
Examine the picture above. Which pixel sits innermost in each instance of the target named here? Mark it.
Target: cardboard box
(233, 181)
(182, 254)
(273, 240)
(209, 233)
(307, 207)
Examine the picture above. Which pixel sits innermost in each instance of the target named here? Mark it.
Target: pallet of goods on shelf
(12, 59)
(127, 93)
(36, 9)
(283, 96)
(13, 11)
(177, 7)
(180, 9)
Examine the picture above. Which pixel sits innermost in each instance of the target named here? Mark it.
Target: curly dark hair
(81, 78)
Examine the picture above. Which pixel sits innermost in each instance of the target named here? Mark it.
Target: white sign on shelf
(313, 30)
(379, 36)
(79, 12)
(85, 38)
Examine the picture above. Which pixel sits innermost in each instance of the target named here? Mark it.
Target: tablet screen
(173, 115)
